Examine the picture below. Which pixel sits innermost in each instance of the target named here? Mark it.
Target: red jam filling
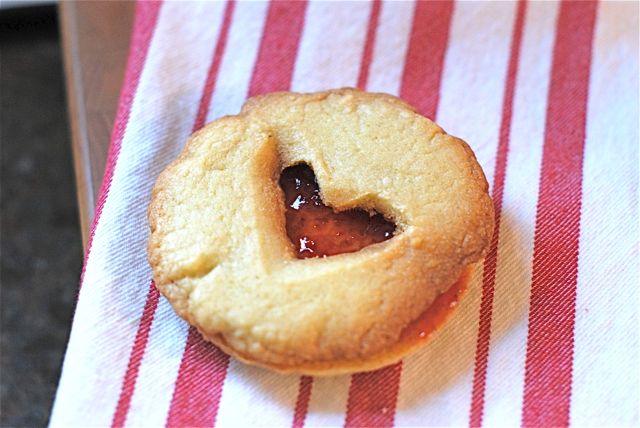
(431, 319)
(315, 229)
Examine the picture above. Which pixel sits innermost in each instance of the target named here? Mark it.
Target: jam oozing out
(429, 321)
(318, 231)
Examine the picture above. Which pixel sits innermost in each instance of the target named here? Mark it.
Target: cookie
(221, 252)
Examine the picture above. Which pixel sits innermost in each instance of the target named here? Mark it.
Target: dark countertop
(41, 243)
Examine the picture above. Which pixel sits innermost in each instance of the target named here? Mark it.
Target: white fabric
(436, 383)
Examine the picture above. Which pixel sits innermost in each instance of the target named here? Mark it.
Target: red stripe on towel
(425, 57)
(135, 359)
(214, 68)
(491, 261)
(278, 48)
(370, 42)
(302, 403)
(372, 398)
(549, 361)
(198, 389)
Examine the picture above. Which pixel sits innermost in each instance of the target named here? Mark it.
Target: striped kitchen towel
(546, 93)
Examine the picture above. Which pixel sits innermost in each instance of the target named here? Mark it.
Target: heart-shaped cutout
(315, 229)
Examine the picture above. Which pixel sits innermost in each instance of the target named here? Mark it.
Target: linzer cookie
(319, 233)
